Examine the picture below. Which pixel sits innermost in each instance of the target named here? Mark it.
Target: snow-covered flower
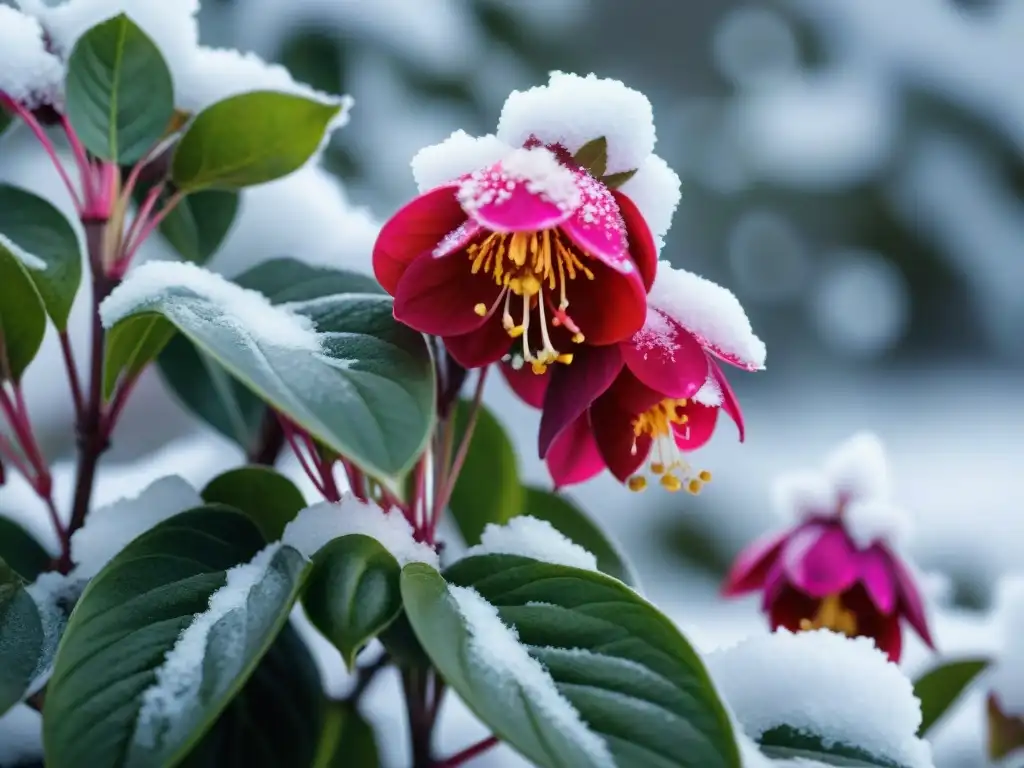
(520, 237)
(650, 398)
(838, 568)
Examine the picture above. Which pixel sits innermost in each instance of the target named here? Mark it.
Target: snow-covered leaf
(22, 317)
(939, 688)
(340, 366)
(41, 232)
(352, 593)
(197, 226)
(166, 635)
(784, 743)
(250, 139)
(20, 550)
(569, 666)
(347, 740)
(269, 498)
(487, 490)
(119, 93)
(21, 638)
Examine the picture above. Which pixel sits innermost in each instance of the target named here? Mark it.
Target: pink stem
(120, 400)
(72, 369)
(81, 159)
(18, 419)
(147, 228)
(289, 434)
(11, 455)
(34, 126)
(469, 753)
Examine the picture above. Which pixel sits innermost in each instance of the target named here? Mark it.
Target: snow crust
(456, 156)
(29, 73)
(656, 190)
(537, 539)
(537, 168)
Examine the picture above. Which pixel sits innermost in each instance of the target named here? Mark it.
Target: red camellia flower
(651, 398)
(530, 248)
(836, 569)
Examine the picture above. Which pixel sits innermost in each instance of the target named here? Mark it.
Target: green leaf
(353, 592)
(22, 317)
(488, 489)
(575, 524)
(624, 666)
(20, 550)
(269, 498)
(129, 618)
(21, 638)
(940, 687)
(275, 720)
(347, 740)
(284, 280)
(131, 346)
(616, 180)
(368, 394)
(594, 156)
(206, 389)
(119, 93)
(6, 120)
(197, 226)
(37, 228)
(785, 743)
(250, 139)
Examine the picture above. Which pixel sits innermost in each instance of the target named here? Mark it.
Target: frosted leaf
(179, 677)
(655, 188)
(572, 110)
(799, 495)
(110, 529)
(529, 537)
(249, 311)
(28, 260)
(319, 524)
(495, 650)
(456, 156)
(537, 168)
(1007, 676)
(843, 690)
(710, 312)
(858, 468)
(29, 73)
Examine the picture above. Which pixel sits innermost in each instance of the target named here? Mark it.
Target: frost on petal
(857, 467)
(214, 74)
(800, 495)
(456, 156)
(537, 539)
(572, 110)
(175, 283)
(110, 529)
(869, 521)
(29, 74)
(843, 690)
(710, 394)
(710, 312)
(495, 651)
(319, 524)
(656, 190)
(1007, 677)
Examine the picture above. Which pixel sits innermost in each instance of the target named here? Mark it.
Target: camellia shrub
(163, 631)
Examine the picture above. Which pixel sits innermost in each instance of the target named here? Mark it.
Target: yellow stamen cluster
(832, 615)
(531, 265)
(667, 462)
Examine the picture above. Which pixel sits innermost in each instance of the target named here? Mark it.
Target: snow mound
(537, 539)
(456, 156)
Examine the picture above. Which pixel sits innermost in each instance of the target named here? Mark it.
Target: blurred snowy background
(853, 170)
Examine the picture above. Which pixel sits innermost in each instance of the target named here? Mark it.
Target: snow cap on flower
(29, 73)
(456, 156)
(656, 190)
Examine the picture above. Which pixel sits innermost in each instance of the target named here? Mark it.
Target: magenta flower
(837, 568)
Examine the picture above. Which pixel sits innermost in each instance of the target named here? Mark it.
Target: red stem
(117, 405)
(81, 160)
(147, 229)
(72, 369)
(10, 454)
(34, 126)
(289, 434)
(143, 212)
(469, 753)
(17, 415)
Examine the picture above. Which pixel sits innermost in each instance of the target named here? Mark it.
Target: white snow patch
(709, 311)
(21, 736)
(457, 155)
(874, 520)
(857, 467)
(321, 523)
(656, 190)
(497, 652)
(1007, 676)
(55, 595)
(28, 260)
(538, 168)
(179, 677)
(710, 394)
(843, 690)
(29, 74)
(802, 494)
(537, 539)
(572, 110)
(110, 529)
(175, 284)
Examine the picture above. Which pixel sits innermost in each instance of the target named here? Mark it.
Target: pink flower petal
(597, 226)
(751, 566)
(608, 309)
(503, 201)
(820, 560)
(666, 357)
(414, 230)
(642, 247)
(878, 579)
(438, 296)
(699, 426)
(574, 457)
(481, 347)
(730, 403)
(910, 603)
(528, 386)
(622, 451)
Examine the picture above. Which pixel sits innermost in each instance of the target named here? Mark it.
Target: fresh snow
(538, 168)
(29, 74)
(28, 260)
(572, 110)
(497, 653)
(1007, 676)
(179, 677)
(857, 467)
(841, 689)
(321, 523)
(537, 539)
(111, 528)
(709, 394)
(456, 156)
(805, 493)
(656, 190)
(174, 283)
(21, 738)
(709, 311)
(54, 595)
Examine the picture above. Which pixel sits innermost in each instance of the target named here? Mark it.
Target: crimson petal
(573, 457)
(573, 388)
(749, 570)
(641, 242)
(528, 386)
(730, 403)
(820, 560)
(622, 451)
(438, 296)
(666, 357)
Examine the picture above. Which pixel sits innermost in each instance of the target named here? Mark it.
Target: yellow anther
(565, 358)
(530, 286)
(705, 476)
(833, 615)
(539, 368)
(694, 486)
(671, 483)
(637, 483)
(578, 338)
(516, 331)
(658, 468)
(480, 309)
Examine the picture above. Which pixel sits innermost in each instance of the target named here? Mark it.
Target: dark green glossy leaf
(199, 223)
(940, 687)
(21, 638)
(285, 279)
(353, 592)
(37, 228)
(21, 551)
(22, 317)
(264, 494)
(594, 156)
(785, 743)
(119, 93)
(131, 346)
(347, 740)
(248, 139)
